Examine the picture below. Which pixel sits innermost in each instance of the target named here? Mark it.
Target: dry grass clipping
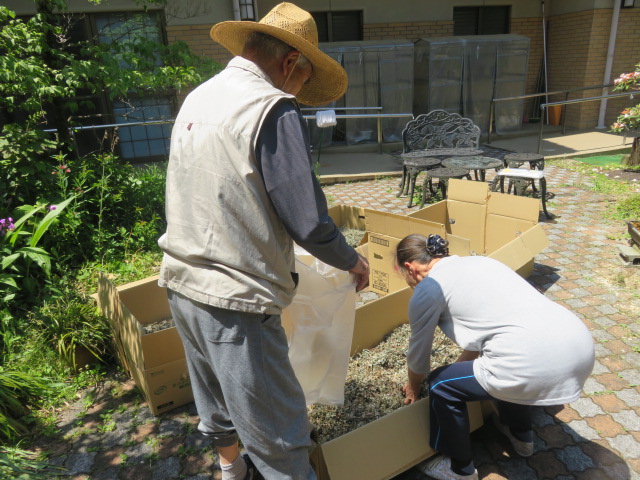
(374, 381)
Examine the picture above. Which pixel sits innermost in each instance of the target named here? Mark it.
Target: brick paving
(114, 437)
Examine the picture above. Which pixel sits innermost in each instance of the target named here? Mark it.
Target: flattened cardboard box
(379, 450)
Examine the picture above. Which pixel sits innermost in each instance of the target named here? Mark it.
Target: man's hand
(361, 271)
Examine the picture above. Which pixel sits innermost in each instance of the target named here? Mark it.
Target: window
(247, 10)
(481, 20)
(338, 26)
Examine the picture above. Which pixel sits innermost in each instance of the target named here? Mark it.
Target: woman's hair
(264, 45)
(421, 249)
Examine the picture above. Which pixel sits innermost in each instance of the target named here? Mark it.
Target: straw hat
(296, 28)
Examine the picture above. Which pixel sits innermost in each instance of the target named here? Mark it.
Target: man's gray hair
(267, 46)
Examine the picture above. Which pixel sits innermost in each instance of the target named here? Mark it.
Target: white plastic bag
(319, 327)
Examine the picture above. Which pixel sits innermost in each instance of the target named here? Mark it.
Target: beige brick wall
(407, 30)
(532, 28)
(199, 41)
(577, 51)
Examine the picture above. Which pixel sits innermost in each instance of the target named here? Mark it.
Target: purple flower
(52, 207)
(5, 225)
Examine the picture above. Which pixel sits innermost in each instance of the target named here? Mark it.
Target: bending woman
(520, 349)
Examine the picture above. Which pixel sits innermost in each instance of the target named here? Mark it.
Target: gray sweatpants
(244, 386)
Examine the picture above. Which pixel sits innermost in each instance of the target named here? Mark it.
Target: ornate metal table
(478, 164)
(535, 160)
(416, 161)
(443, 174)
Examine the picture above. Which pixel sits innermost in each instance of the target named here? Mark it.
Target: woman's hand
(411, 395)
(412, 388)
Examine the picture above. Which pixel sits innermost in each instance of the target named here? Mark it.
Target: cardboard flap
(514, 206)
(520, 251)
(162, 347)
(376, 319)
(535, 239)
(459, 245)
(467, 220)
(468, 191)
(503, 230)
(400, 226)
(386, 447)
(381, 449)
(348, 216)
(146, 301)
(433, 213)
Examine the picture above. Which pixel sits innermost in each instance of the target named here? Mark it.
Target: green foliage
(629, 208)
(21, 465)
(73, 326)
(17, 390)
(20, 281)
(25, 163)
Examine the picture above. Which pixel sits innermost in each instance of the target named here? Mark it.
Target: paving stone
(79, 463)
(576, 303)
(581, 431)
(110, 473)
(605, 425)
(138, 453)
(601, 335)
(591, 386)
(607, 309)
(633, 358)
(586, 407)
(518, 468)
(626, 445)
(629, 396)
(631, 376)
(599, 368)
(116, 437)
(166, 469)
(171, 427)
(574, 459)
(609, 402)
(601, 350)
(629, 419)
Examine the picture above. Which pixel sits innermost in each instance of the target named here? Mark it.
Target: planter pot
(634, 231)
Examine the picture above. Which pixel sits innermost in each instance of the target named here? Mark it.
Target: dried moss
(374, 381)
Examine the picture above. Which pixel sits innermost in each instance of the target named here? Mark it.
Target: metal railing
(543, 106)
(535, 95)
(378, 116)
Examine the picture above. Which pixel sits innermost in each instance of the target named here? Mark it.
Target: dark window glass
(481, 20)
(338, 26)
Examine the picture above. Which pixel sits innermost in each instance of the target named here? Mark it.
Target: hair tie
(437, 246)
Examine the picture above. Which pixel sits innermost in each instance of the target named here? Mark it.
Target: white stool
(523, 174)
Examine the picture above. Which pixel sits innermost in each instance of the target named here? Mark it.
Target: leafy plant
(73, 326)
(21, 253)
(22, 465)
(17, 390)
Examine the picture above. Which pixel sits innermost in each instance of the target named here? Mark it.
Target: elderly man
(240, 191)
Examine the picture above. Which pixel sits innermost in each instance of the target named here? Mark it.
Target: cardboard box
(156, 361)
(474, 220)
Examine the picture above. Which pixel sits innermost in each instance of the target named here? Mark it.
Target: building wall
(577, 54)
(407, 30)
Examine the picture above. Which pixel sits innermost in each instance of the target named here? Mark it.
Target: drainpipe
(607, 68)
(236, 10)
